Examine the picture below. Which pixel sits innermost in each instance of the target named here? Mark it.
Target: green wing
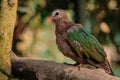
(79, 37)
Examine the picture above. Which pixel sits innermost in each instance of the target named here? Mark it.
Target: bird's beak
(49, 19)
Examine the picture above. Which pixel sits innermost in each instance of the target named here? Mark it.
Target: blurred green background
(35, 38)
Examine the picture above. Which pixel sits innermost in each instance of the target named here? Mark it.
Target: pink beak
(49, 19)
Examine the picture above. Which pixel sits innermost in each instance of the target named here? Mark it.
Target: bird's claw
(77, 65)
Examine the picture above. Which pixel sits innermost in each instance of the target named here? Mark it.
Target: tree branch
(31, 69)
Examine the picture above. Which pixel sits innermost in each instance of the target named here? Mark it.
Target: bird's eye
(56, 13)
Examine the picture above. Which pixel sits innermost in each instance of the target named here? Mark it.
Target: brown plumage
(79, 49)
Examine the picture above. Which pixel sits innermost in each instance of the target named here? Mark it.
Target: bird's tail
(106, 66)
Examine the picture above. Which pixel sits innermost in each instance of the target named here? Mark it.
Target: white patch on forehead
(54, 12)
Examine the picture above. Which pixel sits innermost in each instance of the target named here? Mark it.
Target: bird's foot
(76, 65)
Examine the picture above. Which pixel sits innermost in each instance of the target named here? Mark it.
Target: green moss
(3, 77)
(7, 21)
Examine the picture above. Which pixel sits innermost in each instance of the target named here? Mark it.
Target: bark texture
(7, 20)
(31, 69)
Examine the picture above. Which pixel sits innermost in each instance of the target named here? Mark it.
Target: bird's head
(57, 16)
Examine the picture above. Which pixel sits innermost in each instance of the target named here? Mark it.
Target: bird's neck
(62, 26)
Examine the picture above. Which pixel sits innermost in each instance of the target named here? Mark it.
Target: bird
(75, 42)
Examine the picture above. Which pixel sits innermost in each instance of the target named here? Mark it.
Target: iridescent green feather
(90, 45)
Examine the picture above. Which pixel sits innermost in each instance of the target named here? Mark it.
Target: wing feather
(90, 45)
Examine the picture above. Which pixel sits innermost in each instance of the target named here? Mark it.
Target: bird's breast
(62, 44)
(60, 40)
